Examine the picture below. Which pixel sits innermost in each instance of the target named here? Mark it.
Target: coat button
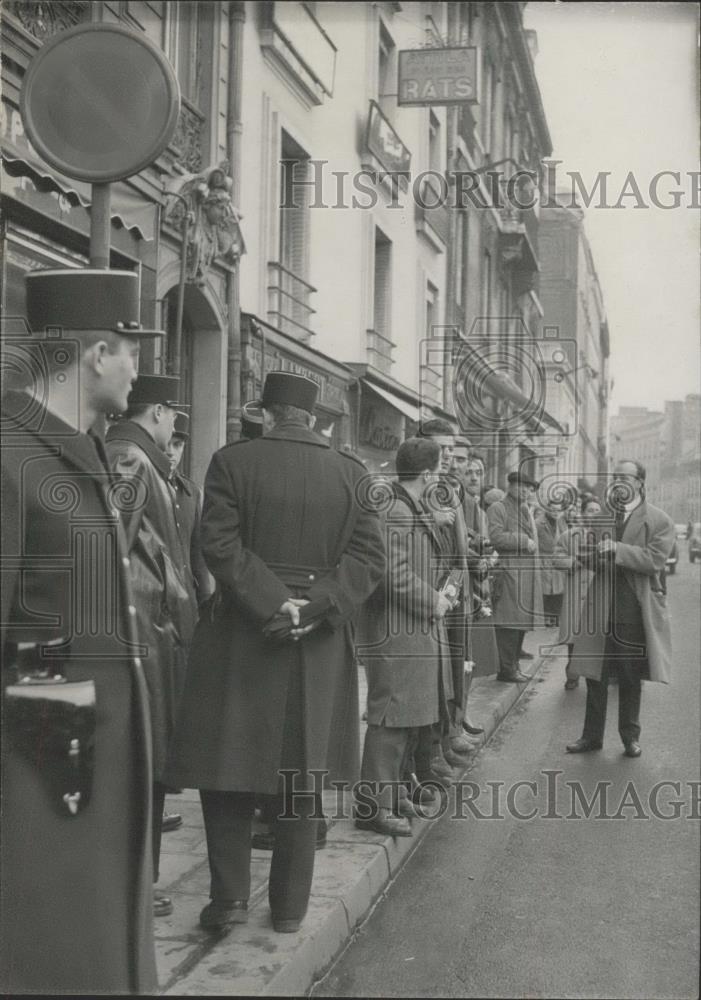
(137, 661)
(311, 576)
(132, 610)
(125, 561)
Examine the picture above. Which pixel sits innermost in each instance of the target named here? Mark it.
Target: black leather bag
(51, 722)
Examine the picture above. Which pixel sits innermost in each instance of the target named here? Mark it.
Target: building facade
(667, 443)
(344, 252)
(575, 318)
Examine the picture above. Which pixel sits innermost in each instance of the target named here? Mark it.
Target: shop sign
(438, 76)
(380, 427)
(384, 143)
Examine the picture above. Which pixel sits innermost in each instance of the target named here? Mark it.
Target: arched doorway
(202, 375)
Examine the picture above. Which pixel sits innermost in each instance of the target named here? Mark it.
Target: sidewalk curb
(351, 875)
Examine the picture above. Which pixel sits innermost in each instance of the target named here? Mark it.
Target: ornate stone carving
(213, 232)
(42, 20)
(188, 138)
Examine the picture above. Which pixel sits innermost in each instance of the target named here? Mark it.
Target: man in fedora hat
(518, 599)
(282, 526)
(160, 568)
(76, 901)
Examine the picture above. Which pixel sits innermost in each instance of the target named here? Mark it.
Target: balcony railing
(289, 307)
(379, 349)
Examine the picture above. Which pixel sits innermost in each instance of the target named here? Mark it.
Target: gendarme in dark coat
(281, 519)
(77, 893)
(160, 572)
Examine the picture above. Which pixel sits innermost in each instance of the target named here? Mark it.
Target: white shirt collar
(630, 507)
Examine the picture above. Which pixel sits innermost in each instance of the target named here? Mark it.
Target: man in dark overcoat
(282, 525)
(76, 906)
(625, 627)
(518, 601)
(160, 569)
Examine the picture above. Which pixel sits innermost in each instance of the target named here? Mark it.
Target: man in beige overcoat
(625, 625)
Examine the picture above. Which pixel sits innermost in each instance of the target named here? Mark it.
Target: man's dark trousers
(509, 641)
(629, 696)
(228, 820)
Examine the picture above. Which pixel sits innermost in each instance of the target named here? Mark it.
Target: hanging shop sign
(384, 143)
(438, 76)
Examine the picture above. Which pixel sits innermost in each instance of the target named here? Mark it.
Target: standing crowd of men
(155, 639)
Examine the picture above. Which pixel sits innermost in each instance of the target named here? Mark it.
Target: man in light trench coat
(625, 623)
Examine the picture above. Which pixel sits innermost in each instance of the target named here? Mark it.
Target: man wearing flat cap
(76, 901)
(162, 580)
(283, 525)
(518, 598)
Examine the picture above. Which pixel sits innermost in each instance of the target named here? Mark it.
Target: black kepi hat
(85, 299)
(289, 389)
(163, 389)
(251, 420)
(182, 424)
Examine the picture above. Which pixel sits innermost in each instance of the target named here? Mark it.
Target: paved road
(556, 907)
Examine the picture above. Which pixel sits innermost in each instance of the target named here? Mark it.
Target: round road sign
(100, 102)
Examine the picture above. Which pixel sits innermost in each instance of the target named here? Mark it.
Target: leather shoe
(454, 759)
(525, 656)
(386, 824)
(517, 678)
(221, 916)
(472, 730)
(582, 746)
(406, 808)
(462, 744)
(571, 683)
(441, 767)
(632, 749)
(171, 821)
(162, 905)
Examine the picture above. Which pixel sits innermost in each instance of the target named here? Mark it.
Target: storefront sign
(380, 427)
(438, 76)
(384, 143)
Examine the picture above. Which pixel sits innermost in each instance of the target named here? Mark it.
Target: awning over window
(405, 408)
(129, 208)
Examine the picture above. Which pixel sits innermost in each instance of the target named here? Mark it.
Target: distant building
(574, 312)
(668, 446)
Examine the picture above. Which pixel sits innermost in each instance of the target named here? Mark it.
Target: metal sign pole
(100, 226)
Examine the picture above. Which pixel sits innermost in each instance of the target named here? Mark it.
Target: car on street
(695, 543)
(680, 530)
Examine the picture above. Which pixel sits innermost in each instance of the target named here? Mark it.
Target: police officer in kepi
(161, 577)
(272, 681)
(76, 905)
